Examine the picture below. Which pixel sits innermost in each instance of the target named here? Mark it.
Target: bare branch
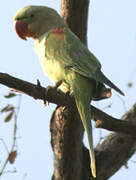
(116, 149)
(108, 122)
(52, 95)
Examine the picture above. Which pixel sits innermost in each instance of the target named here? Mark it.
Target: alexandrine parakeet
(64, 58)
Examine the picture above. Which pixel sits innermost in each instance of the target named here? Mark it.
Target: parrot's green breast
(52, 49)
(54, 69)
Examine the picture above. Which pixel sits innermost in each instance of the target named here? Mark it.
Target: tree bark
(72, 159)
(66, 128)
(75, 15)
(115, 150)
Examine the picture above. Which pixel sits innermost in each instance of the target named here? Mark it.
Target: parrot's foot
(68, 93)
(48, 88)
(58, 84)
(54, 87)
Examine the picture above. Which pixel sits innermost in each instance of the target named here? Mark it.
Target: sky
(111, 37)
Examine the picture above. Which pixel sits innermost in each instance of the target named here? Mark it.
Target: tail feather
(83, 106)
(99, 76)
(88, 129)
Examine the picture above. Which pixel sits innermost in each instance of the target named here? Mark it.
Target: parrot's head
(34, 21)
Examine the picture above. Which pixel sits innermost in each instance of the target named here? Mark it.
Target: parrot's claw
(48, 88)
(58, 84)
(68, 93)
(54, 87)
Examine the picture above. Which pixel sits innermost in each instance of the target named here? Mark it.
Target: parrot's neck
(40, 38)
(48, 28)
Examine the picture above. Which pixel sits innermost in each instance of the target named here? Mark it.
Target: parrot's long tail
(82, 99)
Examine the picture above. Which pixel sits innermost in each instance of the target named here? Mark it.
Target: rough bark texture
(75, 15)
(66, 135)
(115, 150)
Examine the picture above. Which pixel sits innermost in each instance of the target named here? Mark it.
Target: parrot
(65, 59)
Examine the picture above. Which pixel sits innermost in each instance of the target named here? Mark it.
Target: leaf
(7, 108)
(10, 95)
(12, 157)
(9, 116)
(130, 84)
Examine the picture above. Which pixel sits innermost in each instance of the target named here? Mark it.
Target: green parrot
(64, 59)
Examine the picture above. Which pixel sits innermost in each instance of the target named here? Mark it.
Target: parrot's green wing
(62, 45)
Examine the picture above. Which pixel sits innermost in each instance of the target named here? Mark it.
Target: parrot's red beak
(22, 30)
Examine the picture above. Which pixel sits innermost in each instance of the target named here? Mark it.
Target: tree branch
(112, 145)
(52, 95)
(115, 150)
(110, 123)
(75, 15)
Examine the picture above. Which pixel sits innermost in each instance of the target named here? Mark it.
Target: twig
(14, 139)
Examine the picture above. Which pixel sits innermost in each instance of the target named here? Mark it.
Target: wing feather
(67, 48)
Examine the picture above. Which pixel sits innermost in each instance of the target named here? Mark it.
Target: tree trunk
(72, 161)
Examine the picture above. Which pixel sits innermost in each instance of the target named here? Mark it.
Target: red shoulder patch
(59, 32)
